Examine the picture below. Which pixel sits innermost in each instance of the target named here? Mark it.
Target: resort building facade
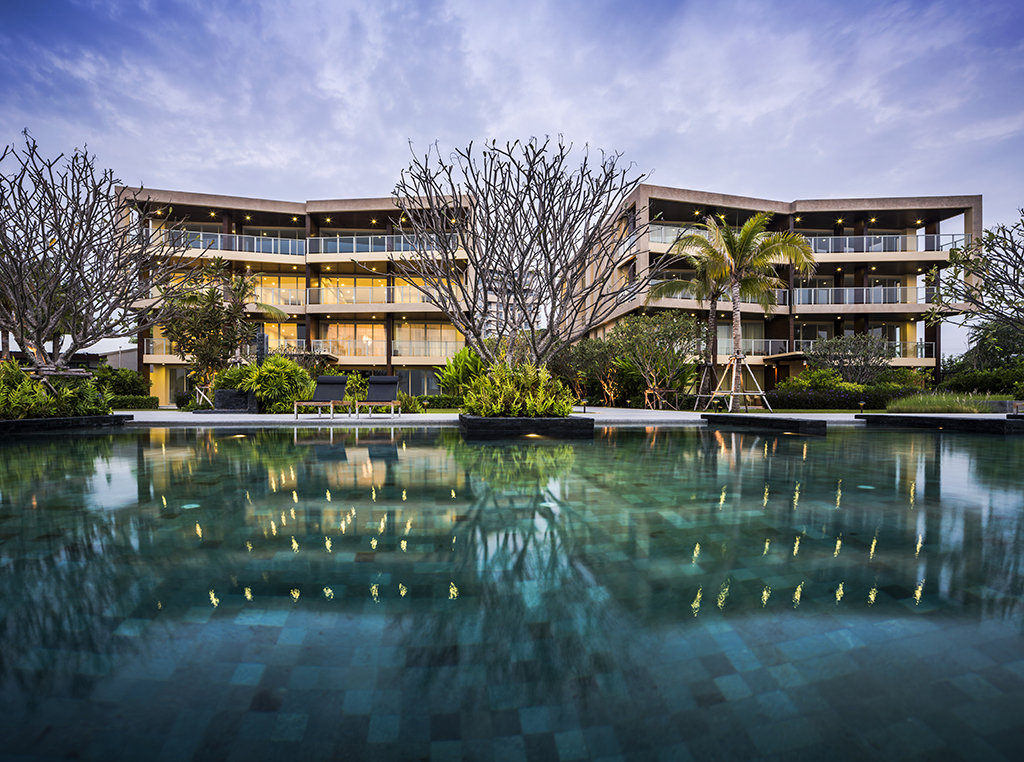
(327, 265)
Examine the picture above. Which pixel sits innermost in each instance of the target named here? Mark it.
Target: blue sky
(301, 99)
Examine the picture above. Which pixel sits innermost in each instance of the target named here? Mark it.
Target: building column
(140, 350)
(305, 300)
(933, 333)
(389, 329)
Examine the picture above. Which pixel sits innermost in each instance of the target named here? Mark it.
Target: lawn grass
(936, 403)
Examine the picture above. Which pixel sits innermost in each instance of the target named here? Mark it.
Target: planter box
(475, 427)
(235, 401)
(32, 425)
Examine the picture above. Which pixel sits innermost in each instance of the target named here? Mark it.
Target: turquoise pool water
(398, 594)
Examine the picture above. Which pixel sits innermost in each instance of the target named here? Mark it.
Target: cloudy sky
(297, 100)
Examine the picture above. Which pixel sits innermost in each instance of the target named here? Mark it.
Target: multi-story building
(326, 263)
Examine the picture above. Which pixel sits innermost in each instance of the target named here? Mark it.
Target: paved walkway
(603, 416)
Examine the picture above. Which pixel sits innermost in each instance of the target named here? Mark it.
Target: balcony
(350, 347)
(367, 244)
(252, 244)
(160, 347)
(904, 349)
(870, 295)
(340, 295)
(781, 298)
(280, 297)
(755, 347)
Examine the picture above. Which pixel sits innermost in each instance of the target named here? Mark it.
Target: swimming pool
(399, 594)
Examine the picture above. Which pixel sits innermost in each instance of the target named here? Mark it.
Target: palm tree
(742, 264)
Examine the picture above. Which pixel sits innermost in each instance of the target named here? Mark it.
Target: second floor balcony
(903, 349)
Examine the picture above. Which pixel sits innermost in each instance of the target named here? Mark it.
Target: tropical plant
(859, 358)
(660, 348)
(410, 404)
(934, 403)
(277, 383)
(209, 327)
(121, 381)
(459, 371)
(746, 259)
(589, 365)
(518, 391)
(23, 397)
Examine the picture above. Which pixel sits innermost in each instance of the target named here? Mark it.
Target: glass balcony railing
(870, 295)
(160, 347)
(368, 244)
(426, 348)
(781, 298)
(280, 297)
(250, 244)
(350, 347)
(335, 295)
(755, 347)
(850, 244)
(904, 349)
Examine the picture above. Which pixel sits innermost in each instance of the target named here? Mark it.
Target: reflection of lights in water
(695, 606)
(766, 593)
(383, 523)
(293, 510)
(723, 593)
(247, 498)
(273, 527)
(839, 492)
(199, 531)
(839, 546)
(839, 593)
(162, 497)
(327, 544)
(721, 500)
(920, 542)
(295, 594)
(403, 491)
(453, 494)
(917, 593)
(295, 545)
(796, 545)
(284, 521)
(248, 593)
(374, 590)
(404, 544)
(403, 445)
(273, 483)
(295, 499)
(373, 493)
(408, 525)
(805, 451)
(328, 593)
(291, 470)
(373, 543)
(696, 553)
(159, 605)
(766, 449)
(797, 594)
(453, 592)
(874, 542)
(765, 503)
(214, 599)
(343, 526)
(723, 548)
(402, 589)
(872, 594)
(766, 544)
(913, 490)
(796, 495)
(328, 496)
(248, 546)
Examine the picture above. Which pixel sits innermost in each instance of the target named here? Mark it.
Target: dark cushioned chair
(330, 391)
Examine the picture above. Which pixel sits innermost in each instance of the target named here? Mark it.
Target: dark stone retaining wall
(976, 424)
(475, 427)
(773, 422)
(32, 425)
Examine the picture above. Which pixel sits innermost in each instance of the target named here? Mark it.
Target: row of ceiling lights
(839, 221)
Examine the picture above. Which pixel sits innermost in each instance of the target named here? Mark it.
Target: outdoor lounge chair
(330, 391)
(383, 391)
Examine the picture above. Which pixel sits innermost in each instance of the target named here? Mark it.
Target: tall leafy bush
(519, 391)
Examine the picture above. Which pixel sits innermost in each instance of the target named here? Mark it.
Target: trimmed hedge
(134, 402)
(435, 401)
(997, 381)
(873, 397)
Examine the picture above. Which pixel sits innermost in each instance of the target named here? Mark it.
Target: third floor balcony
(848, 244)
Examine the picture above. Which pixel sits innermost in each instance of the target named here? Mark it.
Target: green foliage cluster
(410, 404)
(824, 389)
(134, 402)
(357, 387)
(518, 466)
(439, 401)
(935, 403)
(459, 371)
(522, 390)
(123, 382)
(278, 383)
(1008, 379)
(23, 397)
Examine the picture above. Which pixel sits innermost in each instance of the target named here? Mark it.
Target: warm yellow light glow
(328, 219)
(872, 219)
(295, 219)
(918, 222)
(248, 217)
(213, 214)
(373, 222)
(839, 221)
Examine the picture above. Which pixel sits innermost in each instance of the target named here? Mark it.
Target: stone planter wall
(478, 428)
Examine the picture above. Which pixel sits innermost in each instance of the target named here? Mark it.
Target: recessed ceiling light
(248, 217)
(295, 219)
(213, 214)
(328, 219)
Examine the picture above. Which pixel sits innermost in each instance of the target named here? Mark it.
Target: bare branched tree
(522, 250)
(76, 263)
(985, 280)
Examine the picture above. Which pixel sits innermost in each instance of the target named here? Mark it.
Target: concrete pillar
(309, 318)
(389, 329)
(140, 350)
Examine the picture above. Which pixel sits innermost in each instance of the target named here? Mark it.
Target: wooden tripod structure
(708, 380)
(736, 365)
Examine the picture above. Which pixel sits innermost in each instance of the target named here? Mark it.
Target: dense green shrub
(818, 379)
(520, 391)
(410, 404)
(436, 401)
(182, 399)
(121, 382)
(134, 402)
(278, 383)
(22, 397)
(995, 381)
(874, 397)
(459, 371)
(357, 387)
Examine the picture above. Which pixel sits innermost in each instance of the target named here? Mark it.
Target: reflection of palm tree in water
(528, 607)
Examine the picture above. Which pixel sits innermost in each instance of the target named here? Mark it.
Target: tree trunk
(5, 345)
(737, 340)
(708, 377)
